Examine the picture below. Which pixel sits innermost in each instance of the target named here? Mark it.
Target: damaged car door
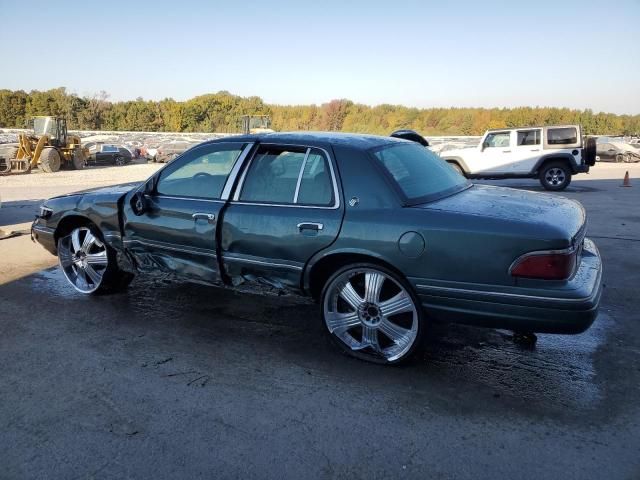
(171, 225)
(285, 209)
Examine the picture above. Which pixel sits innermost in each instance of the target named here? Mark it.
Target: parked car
(104, 154)
(167, 152)
(617, 152)
(551, 154)
(380, 231)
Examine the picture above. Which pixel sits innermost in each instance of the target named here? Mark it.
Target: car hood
(551, 214)
(110, 190)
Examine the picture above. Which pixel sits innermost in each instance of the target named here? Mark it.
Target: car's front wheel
(88, 263)
(372, 313)
(555, 176)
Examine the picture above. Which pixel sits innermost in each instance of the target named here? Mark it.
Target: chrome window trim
(231, 178)
(336, 194)
(151, 243)
(304, 164)
(226, 258)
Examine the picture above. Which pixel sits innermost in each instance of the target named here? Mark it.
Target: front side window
(201, 173)
(528, 137)
(289, 176)
(419, 173)
(497, 139)
(562, 136)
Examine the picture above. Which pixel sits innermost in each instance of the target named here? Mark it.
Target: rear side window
(528, 137)
(289, 176)
(419, 173)
(562, 136)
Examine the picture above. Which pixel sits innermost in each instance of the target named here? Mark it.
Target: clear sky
(578, 54)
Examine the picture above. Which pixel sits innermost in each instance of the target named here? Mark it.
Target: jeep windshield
(418, 174)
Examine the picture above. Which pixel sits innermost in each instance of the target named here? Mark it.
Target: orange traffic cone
(626, 182)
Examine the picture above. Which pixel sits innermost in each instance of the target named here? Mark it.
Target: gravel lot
(168, 381)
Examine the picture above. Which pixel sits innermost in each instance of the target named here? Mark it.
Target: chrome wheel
(371, 313)
(555, 176)
(83, 259)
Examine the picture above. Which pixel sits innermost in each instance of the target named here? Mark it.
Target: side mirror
(138, 203)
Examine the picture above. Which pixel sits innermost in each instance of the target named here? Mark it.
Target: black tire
(396, 281)
(113, 279)
(50, 160)
(555, 176)
(78, 160)
(7, 153)
(619, 158)
(119, 161)
(590, 151)
(458, 168)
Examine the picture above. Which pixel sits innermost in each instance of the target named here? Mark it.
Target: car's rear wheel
(88, 263)
(372, 313)
(619, 158)
(119, 160)
(555, 176)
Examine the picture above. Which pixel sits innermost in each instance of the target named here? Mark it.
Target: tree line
(221, 112)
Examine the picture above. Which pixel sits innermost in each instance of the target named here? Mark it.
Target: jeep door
(494, 155)
(526, 150)
(176, 230)
(286, 208)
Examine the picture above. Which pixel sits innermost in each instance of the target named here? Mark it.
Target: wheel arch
(320, 269)
(69, 222)
(457, 160)
(555, 157)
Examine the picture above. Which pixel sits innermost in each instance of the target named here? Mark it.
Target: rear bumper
(44, 236)
(571, 308)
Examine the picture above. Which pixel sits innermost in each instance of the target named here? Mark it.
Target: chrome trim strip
(170, 247)
(304, 164)
(41, 229)
(231, 178)
(259, 262)
(195, 199)
(336, 205)
(507, 295)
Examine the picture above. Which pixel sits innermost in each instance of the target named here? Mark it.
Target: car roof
(353, 140)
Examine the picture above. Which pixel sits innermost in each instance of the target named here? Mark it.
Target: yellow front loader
(50, 146)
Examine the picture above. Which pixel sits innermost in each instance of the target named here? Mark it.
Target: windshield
(420, 174)
(45, 126)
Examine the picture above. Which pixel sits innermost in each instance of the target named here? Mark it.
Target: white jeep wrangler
(551, 154)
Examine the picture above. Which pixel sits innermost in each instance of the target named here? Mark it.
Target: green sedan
(385, 235)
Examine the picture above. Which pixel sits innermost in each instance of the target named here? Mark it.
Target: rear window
(562, 136)
(419, 174)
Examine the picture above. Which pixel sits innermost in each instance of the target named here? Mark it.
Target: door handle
(310, 226)
(506, 151)
(535, 150)
(210, 217)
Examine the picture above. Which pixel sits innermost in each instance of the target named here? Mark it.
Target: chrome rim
(83, 259)
(371, 313)
(555, 176)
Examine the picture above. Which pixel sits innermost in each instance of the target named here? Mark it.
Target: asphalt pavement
(186, 381)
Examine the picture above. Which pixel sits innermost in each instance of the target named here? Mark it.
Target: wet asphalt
(186, 381)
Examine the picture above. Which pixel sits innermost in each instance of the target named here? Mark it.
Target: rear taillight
(547, 265)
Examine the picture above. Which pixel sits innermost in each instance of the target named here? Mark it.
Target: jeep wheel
(555, 176)
(458, 168)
